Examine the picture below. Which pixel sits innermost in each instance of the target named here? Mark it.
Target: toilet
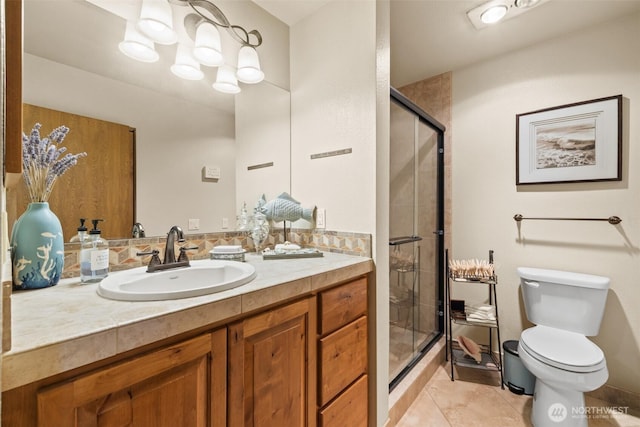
(566, 308)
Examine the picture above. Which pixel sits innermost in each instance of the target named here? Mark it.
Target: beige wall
(600, 62)
(263, 135)
(333, 107)
(334, 82)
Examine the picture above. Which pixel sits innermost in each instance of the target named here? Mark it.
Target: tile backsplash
(122, 252)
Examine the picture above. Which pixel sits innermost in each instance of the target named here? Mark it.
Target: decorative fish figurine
(285, 208)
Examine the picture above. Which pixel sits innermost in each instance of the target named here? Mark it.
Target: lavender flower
(41, 162)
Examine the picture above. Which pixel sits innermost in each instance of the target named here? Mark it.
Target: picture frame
(570, 143)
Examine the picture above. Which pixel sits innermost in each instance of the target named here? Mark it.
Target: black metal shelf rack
(491, 359)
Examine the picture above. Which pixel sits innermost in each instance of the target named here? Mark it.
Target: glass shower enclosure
(416, 230)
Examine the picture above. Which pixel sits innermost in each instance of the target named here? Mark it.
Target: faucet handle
(153, 252)
(154, 261)
(183, 253)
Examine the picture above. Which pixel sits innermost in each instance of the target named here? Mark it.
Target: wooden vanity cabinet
(342, 356)
(180, 385)
(299, 364)
(272, 367)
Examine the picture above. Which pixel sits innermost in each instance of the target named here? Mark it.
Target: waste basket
(516, 377)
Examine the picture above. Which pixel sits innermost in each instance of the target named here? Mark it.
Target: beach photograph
(566, 145)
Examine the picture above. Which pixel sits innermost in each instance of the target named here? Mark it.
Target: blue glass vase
(37, 248)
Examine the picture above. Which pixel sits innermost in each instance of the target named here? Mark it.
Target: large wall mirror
(72, 64)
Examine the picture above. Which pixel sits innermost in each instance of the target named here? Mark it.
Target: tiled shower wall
(433, 95)
(122, 253)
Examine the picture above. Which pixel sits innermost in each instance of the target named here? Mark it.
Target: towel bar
(611, 220)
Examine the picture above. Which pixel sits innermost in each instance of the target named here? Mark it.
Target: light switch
(212, 172)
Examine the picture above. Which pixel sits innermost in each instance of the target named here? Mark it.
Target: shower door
(416, 235)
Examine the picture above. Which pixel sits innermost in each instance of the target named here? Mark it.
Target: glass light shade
(156, 21)
(208, 49)
(226, 81)
(494, 14)
(137, 46)
(186, 66)
(249, 66)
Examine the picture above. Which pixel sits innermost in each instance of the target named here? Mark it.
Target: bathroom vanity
(287, 349)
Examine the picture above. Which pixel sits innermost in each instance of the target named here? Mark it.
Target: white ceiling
(428, 37)
(291, 11)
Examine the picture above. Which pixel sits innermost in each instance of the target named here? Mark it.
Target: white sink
(201, 278)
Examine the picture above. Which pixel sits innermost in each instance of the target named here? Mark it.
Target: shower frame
(439, 230)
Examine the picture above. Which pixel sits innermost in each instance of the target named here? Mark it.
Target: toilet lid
(563, 349)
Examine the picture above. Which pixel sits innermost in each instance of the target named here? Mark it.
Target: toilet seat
(563, 349)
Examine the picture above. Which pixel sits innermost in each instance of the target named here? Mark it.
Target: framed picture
(570, 143)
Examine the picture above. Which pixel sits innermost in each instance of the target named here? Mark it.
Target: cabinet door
(271, 368)
(348, 409)
(341, 305)
(343, 358)
(174, 386)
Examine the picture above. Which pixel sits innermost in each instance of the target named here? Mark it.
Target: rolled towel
(470, 347)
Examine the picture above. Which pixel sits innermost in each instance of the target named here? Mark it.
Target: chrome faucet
(169, 253)
(137, 231)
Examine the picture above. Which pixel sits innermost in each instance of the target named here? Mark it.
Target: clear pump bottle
(82, 233)
(94, 256)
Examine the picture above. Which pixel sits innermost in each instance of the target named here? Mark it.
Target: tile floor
(475, 399)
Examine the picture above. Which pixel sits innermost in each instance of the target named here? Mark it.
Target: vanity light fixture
(499, 10)
(226, 80)
(137, 46)
(203, 46)
(156, 22)
(186, 66)
(208, 47)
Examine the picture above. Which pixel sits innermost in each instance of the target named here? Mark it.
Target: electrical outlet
(194, 224)
(225, 223)
(321, 218)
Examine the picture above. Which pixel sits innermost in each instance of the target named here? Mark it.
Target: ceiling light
(226, 81)
(186, 66)
(137, 46)
(208, 48)
(525, 3)
(249, 66)
(494, 14)
(156, 21)
(493, 11)
(199, 42)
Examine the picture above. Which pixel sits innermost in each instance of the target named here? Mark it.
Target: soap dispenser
(82, 233)
(94, 256)
(243, 219)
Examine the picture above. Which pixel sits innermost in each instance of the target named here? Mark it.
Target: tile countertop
(69, 325)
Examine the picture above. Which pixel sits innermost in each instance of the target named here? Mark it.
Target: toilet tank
(564, 300)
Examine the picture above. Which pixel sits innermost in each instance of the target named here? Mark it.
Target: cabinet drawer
(343, 358)
(348, 409)
(342, 305)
